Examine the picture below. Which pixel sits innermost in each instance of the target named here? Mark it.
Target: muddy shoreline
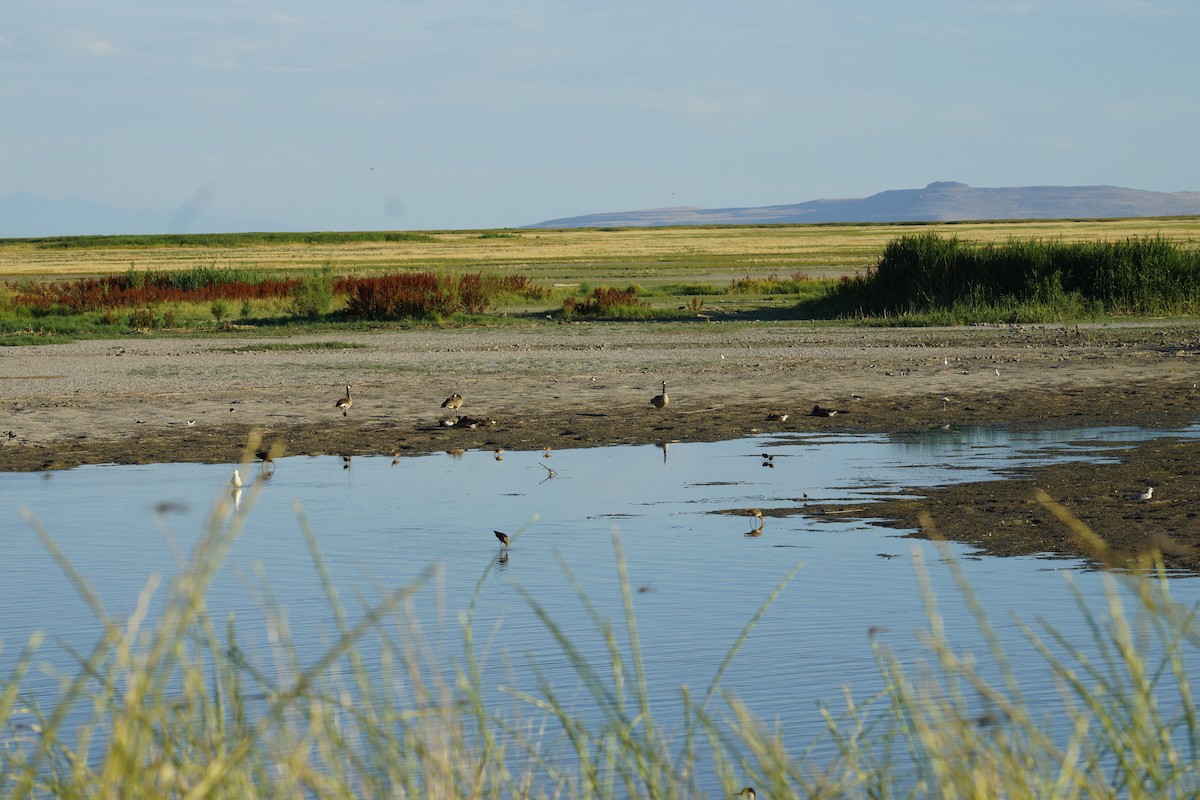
(585, 386)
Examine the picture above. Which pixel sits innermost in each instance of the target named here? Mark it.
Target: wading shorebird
(503, 537)
(344, 402)
(236, 480)
(453, 402)
(264, 455)
(660, 400)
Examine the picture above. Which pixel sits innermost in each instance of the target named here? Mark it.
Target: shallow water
(697, 577)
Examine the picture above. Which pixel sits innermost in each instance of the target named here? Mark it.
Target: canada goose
(660, 400)
(777, 417)
(453, 402)
(236, 480)
(344, 402)
(503, 537)
(474, 422)
(817, 411)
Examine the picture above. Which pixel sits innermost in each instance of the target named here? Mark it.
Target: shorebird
(191, 422)
(264, 455)
(453, 402)
(236, 480)
(775, 416)
(1145, 495)
(817, 411)
(747, 794)
(503, 537)
(660, 400)
(758, 515)
(549, 472)
(344, 402)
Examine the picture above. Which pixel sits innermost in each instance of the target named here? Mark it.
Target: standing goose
(660, 400)
(453, 402)
(344, 402)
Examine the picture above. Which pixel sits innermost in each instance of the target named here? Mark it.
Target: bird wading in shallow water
(503, 537)
(236, 480)
(344, 402)
(660, 400)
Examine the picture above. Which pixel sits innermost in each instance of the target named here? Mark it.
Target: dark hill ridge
(941, 201)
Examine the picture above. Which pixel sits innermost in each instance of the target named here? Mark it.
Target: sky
(468, 114)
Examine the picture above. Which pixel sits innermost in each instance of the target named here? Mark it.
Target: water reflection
(700, 575)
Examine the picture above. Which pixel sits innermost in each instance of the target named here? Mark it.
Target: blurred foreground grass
(177, 708)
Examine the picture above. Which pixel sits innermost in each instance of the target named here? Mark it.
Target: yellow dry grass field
(645, 255)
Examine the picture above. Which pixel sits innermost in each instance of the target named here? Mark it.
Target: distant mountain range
(942, 201)
(24, 215)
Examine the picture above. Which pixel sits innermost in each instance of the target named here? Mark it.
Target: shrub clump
(604, 301)
(427, 295)
(928, 272)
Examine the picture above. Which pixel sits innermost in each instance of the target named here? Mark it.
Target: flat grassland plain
(547, 382)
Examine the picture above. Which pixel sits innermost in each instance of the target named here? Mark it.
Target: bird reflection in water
(758, 529)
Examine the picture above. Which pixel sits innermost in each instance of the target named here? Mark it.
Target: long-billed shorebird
(344, 402)
(503, 537)
(660, 400)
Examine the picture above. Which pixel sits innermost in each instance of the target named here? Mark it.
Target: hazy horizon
(421, 115)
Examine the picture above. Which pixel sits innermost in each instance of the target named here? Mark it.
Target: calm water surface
(699, 577)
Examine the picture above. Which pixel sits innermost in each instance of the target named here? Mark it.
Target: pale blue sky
(368, 114)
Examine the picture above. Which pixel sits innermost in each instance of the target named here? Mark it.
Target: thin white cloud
(1151, 8)
(283, 20)
(84, 42)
